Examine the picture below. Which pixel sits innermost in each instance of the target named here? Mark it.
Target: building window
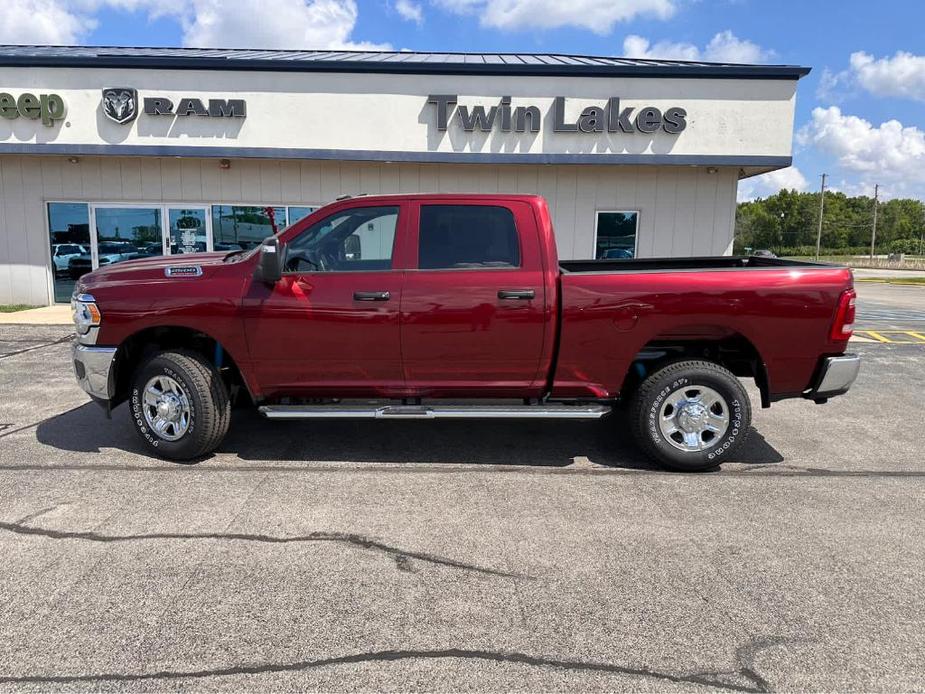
(69, 233)
(241, 227)
(295, 213)
(467, 236)
(126, 233)
(615, 235)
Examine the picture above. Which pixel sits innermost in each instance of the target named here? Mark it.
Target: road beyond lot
(463, 556)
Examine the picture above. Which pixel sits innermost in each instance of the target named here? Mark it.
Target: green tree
(789, 220)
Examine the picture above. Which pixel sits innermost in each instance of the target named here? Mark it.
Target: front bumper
(93, 369)
(836, 376)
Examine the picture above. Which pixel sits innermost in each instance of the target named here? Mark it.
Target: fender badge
(183, 271)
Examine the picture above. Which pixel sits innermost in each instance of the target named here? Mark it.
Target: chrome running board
(434, 412)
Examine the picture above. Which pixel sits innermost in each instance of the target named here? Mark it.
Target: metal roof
(542, 64)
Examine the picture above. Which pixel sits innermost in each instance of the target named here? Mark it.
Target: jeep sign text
(48, 107)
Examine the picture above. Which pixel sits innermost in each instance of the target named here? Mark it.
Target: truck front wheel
(690, 415)
(179, 405)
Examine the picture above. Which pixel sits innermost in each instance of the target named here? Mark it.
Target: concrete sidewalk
(59, 314)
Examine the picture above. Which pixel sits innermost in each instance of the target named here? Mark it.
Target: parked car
(107, 252)
(458, 297)
(61, 254)
(764, 253)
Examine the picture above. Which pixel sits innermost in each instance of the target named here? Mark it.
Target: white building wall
(344, 113)
(682, 210)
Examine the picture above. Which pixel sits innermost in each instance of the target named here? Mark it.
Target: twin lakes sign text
(608, 117)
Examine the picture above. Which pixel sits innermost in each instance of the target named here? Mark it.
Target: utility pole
(821, 212)
(873, 233)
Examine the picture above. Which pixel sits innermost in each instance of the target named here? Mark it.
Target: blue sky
(859, 113)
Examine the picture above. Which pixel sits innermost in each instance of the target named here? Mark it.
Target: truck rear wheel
(690, 415)
(179, 405)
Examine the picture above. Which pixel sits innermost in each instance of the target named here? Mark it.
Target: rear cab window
(459, 237)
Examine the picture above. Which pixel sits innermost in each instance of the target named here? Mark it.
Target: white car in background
(108, 252)
(61, 254)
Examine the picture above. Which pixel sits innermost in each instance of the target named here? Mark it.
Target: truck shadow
(525, 443)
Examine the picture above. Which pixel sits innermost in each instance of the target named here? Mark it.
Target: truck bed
(613, 310)
(724, 262)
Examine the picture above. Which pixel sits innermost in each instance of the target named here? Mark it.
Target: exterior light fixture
(224, 163)
(74, 160)
(712, 170)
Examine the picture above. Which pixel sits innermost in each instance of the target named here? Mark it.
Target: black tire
(209, 405)
(650, 403)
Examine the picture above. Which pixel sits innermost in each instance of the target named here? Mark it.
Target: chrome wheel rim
(694, 418)
(166, 408)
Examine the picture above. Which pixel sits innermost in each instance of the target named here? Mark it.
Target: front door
(474, 311)
(330, 326)
(189, 230)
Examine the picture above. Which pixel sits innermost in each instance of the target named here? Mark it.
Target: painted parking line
(891, 337)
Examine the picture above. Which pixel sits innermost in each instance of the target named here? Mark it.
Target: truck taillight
(843, 326)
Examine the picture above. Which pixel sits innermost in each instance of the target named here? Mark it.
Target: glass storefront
(189, 231)
(616, 235)
(242, 227)
(125, 231)
(69, 233)
(297, 213)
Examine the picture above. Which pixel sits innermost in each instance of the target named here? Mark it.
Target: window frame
(396, 246)
(467, 203)
(597, 214)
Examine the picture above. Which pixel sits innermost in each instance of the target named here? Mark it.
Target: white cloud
(268, 23)
(208, 23)
(724, 47)
(770, 183)
(598, 16)
(891, 153)
(410, 10)
(42, 21)
(902, 75)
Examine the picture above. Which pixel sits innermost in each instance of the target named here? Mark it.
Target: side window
(467, 236)
(354, 240)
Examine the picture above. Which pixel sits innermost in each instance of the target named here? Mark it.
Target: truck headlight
(85, 312)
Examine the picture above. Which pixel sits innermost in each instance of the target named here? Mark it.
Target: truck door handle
(371, 296)
(522, 294)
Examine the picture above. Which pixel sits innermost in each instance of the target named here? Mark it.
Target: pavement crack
(742, 679)
(401, 556)
(7, 355)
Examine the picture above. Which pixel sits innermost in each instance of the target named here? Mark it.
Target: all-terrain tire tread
(641, 399)
(214, 413)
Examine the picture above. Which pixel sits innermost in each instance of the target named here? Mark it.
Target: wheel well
(734, 352)
(136, 349)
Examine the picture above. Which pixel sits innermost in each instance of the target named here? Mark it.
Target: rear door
(473, 306)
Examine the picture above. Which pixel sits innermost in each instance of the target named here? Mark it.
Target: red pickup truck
(455, 306)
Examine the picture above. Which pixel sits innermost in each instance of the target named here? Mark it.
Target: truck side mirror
(270, 266)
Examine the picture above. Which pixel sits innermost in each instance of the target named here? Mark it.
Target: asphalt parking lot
(464, 556)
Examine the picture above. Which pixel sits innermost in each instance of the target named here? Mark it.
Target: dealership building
(108, 154)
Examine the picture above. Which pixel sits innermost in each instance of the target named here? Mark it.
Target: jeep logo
(47, 107)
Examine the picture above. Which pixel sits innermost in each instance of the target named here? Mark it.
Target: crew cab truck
(456, 306)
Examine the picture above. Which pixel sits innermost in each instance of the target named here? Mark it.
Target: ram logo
(120, 104)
